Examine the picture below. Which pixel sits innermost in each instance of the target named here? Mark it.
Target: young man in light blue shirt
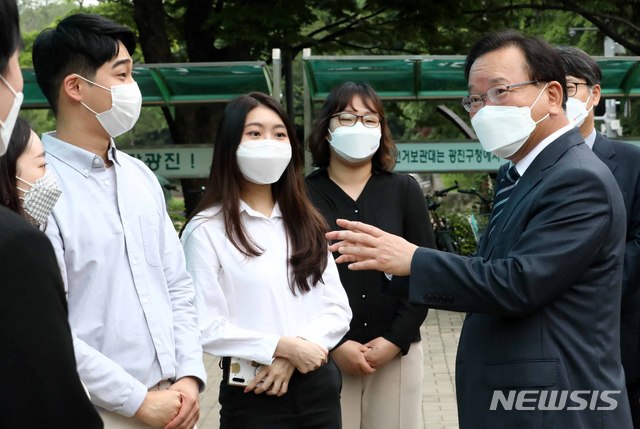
(130, 298)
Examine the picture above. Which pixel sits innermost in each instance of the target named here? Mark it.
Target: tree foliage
(618, 19)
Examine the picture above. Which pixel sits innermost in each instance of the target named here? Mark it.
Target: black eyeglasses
(349, 119)
(498, 94)
(572, 88)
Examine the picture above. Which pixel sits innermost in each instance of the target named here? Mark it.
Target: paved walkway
(440, 334)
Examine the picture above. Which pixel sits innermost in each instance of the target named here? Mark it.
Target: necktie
(505, 187)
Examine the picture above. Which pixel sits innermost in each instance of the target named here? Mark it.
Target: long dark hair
(338, 99)
(9, 166)
(304, 225)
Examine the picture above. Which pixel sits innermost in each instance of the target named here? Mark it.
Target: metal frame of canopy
(430, 77)
(174, 84)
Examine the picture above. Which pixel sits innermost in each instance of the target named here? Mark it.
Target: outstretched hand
(366, 247)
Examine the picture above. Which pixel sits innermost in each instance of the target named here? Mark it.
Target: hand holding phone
(242, 371)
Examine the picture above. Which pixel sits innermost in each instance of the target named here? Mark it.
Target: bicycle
(445, 236)
(486, 206)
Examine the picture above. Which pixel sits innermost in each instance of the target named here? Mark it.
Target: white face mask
(39, 199)
(6, 126)
(577, 110)
(502, 130)
(357, 143)
(263, 161)
(126, 102)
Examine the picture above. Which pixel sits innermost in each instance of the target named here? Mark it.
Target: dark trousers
(311, 402)
(633, 392)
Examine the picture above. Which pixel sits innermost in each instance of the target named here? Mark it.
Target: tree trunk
(154, 38)
(190, 124)
(196, 124)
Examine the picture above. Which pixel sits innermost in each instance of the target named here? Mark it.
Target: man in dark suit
(40, 386)
(623, 159)
(540, 347)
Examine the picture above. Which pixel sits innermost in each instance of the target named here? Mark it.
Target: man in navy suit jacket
(623, 159)
(540, 347)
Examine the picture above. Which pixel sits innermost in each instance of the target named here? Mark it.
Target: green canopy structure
(435, 77)
(181, 83)
(169, 85)
(393, 77)
(419, 77)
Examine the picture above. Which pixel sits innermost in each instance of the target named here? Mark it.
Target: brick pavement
(440, 334)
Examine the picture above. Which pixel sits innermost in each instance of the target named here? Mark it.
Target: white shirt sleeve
(109, 385)
(188, 347)
(332, 322)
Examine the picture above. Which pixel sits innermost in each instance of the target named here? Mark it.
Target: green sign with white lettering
(445, 157)
(176, 162)
(194, 161)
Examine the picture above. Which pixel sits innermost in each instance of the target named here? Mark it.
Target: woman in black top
(381, 355)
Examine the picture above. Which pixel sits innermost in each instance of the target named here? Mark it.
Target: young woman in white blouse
(267, 289)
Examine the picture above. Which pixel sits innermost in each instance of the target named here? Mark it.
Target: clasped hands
(366, 247)
(291, 353)
(177, 407)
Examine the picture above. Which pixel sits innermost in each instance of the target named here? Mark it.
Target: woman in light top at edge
(267, 288)
(381, 356)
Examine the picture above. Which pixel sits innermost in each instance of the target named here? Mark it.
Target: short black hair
(578, 63)
(80, 43)
(10, 39)
(543, 63)
(20, 138)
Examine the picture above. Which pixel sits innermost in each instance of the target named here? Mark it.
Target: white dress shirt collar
(244, 207)
(590, 139)
(525, 162)
(81, 160)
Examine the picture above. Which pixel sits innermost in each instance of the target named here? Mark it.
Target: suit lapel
(603, 148)
(532, 176)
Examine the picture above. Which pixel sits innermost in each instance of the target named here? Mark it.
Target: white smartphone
(242, 371)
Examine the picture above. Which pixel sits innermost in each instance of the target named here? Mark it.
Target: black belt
(224, 365)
